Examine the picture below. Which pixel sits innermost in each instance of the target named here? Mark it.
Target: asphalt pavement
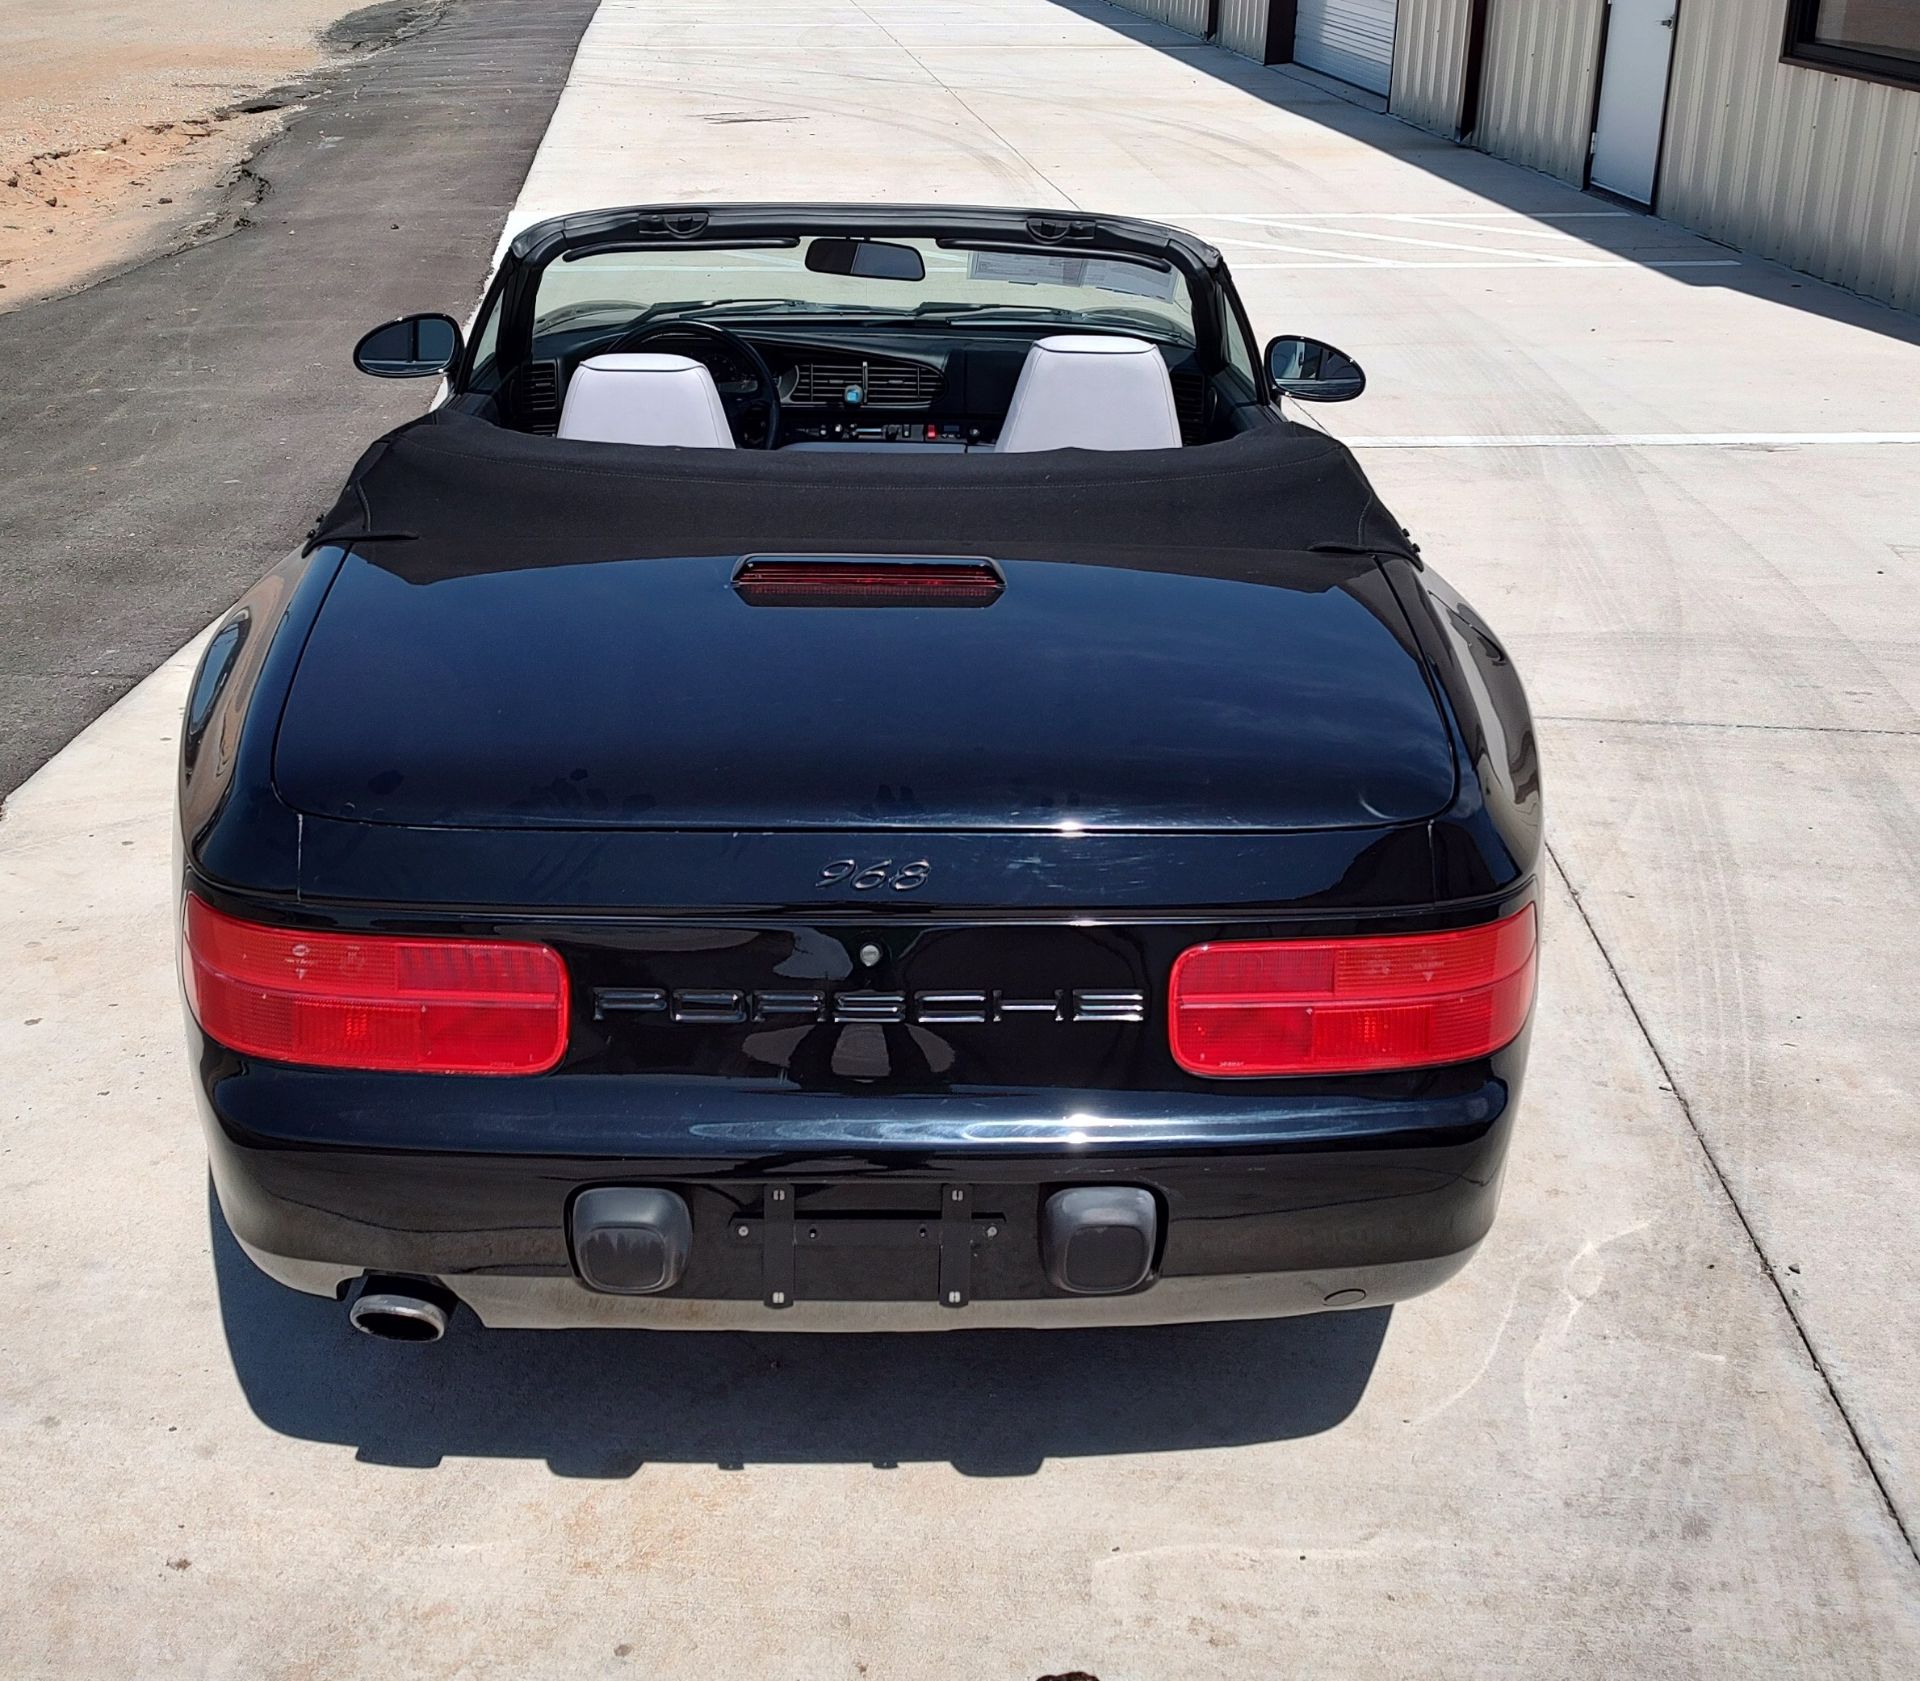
(167, 435)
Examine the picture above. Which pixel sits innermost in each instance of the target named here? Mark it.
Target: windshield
(977, 287)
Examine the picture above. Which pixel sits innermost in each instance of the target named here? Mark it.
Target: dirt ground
(123, 121)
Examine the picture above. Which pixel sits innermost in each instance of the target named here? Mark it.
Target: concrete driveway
(1664, 1426)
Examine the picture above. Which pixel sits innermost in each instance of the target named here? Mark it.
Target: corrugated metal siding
(1536, 100)
(1243, 27)
(1190, 15)
(1818, 171)
(1430, 63)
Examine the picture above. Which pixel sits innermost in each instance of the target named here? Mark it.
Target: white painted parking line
(1392, 263)
(1638, 440)
(1484, 239)
(1540, 257)
(1454, 222)
(1396, 215)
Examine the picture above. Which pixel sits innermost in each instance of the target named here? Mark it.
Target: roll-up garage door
(1351, 39)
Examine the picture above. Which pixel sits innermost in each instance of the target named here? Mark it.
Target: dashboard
(733, 374)
(875, 388)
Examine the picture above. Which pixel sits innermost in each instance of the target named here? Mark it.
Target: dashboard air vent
(1190, 403)
(540, 397)
(884, 385)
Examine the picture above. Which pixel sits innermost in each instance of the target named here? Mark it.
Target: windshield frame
(629, 285)
(1215, 309)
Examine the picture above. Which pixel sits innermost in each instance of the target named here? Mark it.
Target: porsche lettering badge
(708, 1007)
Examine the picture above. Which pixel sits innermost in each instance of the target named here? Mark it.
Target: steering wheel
(768, 392)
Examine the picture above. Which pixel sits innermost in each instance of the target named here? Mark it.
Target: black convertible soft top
(449, 494)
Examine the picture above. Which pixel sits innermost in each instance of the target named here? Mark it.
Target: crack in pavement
(1733, 1202)
(960, 99)
(1718, 724)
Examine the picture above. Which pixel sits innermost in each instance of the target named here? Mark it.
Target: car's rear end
(807, 941)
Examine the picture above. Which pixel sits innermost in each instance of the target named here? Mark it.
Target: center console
(950, 434)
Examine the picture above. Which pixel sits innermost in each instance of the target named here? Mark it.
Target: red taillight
(1268, 1007)
(868, 583)
(376, 1001)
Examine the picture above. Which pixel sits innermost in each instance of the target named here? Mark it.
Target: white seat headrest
(645, 397)
(1087, 392)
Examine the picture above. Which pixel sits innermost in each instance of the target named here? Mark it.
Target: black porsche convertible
(857, 771)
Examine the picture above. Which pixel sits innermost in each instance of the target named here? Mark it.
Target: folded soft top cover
(449, 494)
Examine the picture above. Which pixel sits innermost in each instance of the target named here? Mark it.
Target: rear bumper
(552, 1304)
(1268, 1207)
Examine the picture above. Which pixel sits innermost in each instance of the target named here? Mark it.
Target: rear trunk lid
(1118, 691)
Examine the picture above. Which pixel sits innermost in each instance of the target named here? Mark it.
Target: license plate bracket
(781, 1234)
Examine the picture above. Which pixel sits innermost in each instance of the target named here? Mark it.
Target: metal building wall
(1430, 63)
(1190, 15)
(1536, 102)
(1243, 27)
(1818, 171)
(1815, 170)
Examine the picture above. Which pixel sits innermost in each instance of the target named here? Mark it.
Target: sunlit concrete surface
(1663, 1426)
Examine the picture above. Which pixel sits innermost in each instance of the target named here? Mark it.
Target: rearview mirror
(866, 259)
(1313, 372)
(414, 347)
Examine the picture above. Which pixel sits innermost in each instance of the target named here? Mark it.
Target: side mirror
(414, 347)
(866, 259)
(1313, 372)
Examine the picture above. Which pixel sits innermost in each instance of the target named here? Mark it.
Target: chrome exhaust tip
(400, 1310)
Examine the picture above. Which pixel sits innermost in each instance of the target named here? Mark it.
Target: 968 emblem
(883, 872)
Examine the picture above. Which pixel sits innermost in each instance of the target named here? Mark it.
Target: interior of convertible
(935, 345)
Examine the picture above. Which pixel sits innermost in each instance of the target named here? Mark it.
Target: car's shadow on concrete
(605, 1403)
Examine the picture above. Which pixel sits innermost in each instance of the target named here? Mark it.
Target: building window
(1879, 39)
